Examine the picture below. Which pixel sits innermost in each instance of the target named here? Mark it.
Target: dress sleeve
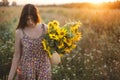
(45, 28)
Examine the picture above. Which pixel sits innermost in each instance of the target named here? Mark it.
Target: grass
(97, 54)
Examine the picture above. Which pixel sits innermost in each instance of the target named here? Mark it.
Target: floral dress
(34, 62)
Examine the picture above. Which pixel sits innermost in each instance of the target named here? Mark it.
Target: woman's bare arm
(16, 55)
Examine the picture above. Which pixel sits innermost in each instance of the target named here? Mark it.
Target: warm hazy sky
(56, 1)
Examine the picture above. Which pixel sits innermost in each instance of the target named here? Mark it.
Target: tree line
(6, 3)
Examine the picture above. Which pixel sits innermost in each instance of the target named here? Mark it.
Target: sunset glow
(98, 1)
(57, 1)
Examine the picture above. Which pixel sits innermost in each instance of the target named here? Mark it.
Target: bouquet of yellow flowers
(61, 39)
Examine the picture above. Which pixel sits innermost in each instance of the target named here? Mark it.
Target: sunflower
(53, 25)
(49, 53)
(50, 25)
(61, 45)
(77, 37)
(68, 41)
(54, 36)
(67, 50)
(62, 32)
(44, 44)
(73, 46)
(61, 39)
(56, 23)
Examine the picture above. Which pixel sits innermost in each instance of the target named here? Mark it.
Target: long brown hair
(28, 10)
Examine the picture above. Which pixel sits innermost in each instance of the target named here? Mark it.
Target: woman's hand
(55, 59)
(10, 77)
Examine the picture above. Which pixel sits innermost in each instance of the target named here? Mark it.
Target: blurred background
(97, 55)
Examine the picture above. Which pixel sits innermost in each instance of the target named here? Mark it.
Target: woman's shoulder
(43, 25)
(19, 33)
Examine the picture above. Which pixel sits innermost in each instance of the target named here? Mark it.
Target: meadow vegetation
(97, 55)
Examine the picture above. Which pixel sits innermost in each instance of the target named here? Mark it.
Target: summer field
(97, 55)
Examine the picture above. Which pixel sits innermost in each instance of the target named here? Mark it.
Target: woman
(30, 60)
